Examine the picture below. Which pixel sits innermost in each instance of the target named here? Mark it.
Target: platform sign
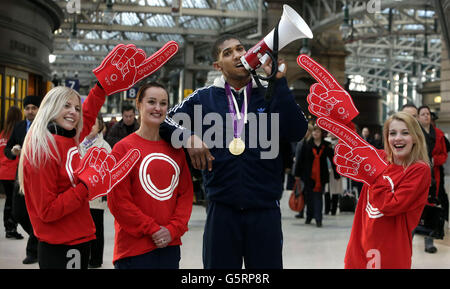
(132, 92)
(73, 83)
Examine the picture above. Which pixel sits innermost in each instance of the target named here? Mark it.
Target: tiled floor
(305, 246)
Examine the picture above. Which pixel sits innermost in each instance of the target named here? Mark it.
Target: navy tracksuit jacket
(244, 181)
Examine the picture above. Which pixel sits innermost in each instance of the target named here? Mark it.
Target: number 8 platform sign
(132, 92)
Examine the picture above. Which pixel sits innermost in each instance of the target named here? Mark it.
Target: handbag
(297, 199)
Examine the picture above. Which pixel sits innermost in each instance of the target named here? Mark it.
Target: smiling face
(153, 106)
(400, 141)
(229, 62)
(69, 116)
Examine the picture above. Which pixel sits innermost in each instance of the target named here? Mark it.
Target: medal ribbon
(239, 117)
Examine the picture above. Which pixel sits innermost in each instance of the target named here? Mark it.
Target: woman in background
(97, 206)
(312, 169)
(8, 170)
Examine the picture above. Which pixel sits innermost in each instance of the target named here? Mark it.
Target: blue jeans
(161, 258)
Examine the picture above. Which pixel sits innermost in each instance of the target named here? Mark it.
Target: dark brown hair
(13, 116)
(141, 91)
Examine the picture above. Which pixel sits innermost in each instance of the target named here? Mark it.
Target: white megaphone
(291, 27)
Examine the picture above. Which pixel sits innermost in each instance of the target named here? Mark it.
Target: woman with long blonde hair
(58, 203)
(389, 209)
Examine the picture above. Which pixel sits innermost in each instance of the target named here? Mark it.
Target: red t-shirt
(58, 206)
(8, 168)
(157, 192)
(386, 214)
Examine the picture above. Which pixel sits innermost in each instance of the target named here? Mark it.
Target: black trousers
(63, 256)
(97, 245)
(334, 204)
(314, 205)
(20, 214)
(8, 220)
(233, 236)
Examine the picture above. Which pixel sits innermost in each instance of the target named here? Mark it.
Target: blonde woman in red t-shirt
(390, 207)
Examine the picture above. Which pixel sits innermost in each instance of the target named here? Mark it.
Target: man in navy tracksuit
(243, 179)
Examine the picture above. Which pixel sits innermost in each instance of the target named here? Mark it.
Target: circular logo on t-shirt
(148, 183)
(72, 161)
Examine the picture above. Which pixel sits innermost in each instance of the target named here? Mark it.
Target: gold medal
(236, 146)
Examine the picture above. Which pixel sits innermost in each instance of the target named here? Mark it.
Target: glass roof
(401, 38)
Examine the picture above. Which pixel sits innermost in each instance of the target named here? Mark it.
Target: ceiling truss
(389, 38)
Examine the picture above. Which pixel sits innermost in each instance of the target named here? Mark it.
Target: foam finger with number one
(327, 98)
(125, 65)
(354, 157)
(100, 173)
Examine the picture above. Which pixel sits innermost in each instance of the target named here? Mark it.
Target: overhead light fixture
(345, 28)
(51, 58)
(108, 14)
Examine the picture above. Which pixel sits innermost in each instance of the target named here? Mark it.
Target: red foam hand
(99, 171)
(125, 65)
(354, 157)
(327, 98)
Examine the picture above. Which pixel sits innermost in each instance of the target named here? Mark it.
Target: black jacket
(118, 131)
(304, 165)
(17, 137)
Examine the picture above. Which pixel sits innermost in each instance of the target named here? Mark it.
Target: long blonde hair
(419, 149)
(36, 146)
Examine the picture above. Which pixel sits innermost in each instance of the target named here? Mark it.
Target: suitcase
(347, 202)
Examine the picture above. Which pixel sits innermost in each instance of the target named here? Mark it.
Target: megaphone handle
(274, 68)
(263, 60)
